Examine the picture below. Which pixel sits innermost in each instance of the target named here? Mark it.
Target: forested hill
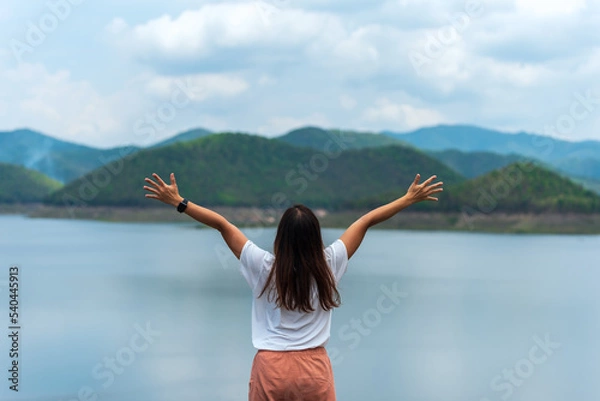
(521, 188)
(318, 139)
(246, 170)
(471, 151)
(21, 185)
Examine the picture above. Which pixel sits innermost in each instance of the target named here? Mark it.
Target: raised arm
(169, 194)
(354, 235)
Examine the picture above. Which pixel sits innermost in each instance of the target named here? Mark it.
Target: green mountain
(184, 137)
(21, 185)
(581, 159)
(318, 139)
(247, 170)
(521, 187)
(60, 160)
(474, 164)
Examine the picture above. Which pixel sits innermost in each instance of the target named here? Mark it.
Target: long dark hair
(300, 264)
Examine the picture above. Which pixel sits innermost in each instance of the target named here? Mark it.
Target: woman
(294, 290)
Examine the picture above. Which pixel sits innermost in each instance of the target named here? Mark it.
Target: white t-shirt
(280, 329)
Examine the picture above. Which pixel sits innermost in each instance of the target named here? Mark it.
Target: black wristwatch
(182, 205)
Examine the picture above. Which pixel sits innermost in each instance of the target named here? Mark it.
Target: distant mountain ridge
(323, 168)
(470, 150)
(581, 159)
(469, 138)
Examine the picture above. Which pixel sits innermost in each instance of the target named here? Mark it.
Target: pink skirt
(304, 375)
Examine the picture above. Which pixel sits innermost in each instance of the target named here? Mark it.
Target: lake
(145, 311)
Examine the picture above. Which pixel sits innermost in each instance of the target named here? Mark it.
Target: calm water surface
(115, 311)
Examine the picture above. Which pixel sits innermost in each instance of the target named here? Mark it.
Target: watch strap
(182, 205)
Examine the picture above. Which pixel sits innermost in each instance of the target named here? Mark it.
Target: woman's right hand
(421, 192)
(159, 190)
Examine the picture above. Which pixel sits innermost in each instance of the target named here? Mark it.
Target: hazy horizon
(381, 132)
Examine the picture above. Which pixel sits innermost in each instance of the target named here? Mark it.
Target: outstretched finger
(173, 181)
(160, 180)
(150, 189)
(429, 180)
(417, 178)
(149, 181)
(431, 198)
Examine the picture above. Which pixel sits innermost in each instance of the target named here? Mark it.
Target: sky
(121, 72)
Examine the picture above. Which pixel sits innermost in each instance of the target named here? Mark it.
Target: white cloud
(268, 66)
(266, 80)
(235, 36)
(197, 86)
(198, 34)
(590, 64)
(550, 7)
(516, 74)
(357, 47)
(347, 102)
(117, 26)
(5, 12)
(388, 113)
(73, 110)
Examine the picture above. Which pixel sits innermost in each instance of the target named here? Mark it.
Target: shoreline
(547, 223)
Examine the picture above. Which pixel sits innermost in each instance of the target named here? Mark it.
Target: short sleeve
(337, 258)
(253, 260)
